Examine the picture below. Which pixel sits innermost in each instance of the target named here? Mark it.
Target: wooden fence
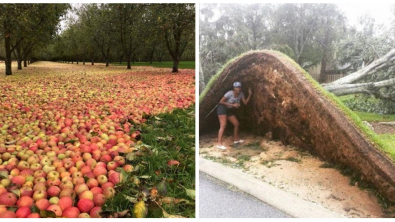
(328, 78)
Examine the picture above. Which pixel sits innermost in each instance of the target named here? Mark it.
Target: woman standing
(225, 111)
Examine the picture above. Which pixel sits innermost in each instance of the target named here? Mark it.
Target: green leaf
(34, 209)
(131, 199)
(131, 156)
(145, 177)
(3, 175)
(94, 133)
(47, 214)
(124, 174)
(70, 141)
(167, 215)
(190, 193)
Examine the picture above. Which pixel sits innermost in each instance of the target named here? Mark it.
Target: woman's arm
(223, 102)
(245, 101)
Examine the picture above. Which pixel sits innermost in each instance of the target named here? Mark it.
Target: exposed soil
(295, 171)
(382, 128)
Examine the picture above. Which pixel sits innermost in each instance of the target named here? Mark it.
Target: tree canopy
(97, 33)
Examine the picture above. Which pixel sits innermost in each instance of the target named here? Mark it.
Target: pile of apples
(72, 180)
(62, 136)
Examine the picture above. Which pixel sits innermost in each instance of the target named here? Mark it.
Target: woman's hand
(249, 91)
(237, 105)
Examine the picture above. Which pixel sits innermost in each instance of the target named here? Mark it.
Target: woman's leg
(222, 122)
(235, 123)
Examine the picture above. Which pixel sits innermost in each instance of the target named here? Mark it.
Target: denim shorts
(223, 110)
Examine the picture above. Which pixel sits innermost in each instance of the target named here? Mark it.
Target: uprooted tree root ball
(287, 103)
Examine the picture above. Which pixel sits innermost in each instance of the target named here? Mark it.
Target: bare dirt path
(295, 171)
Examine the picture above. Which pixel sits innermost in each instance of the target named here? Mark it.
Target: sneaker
(239, 141)
(221, 147)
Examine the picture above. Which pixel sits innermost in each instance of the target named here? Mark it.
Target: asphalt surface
(220, 200)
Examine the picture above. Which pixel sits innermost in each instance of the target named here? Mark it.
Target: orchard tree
(27, 22)
(178, 25)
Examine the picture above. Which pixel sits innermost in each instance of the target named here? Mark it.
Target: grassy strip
(373, 117)
(165, 64)
(168, 136)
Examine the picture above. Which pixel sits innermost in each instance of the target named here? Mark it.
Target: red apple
(87, 194)
(68, 192)
(19, 180)
(8, 214)
(85, 205)
(108, 192)
(120, 160)
(92, 182)
(66, 184)
(23, 212)
(79, 188)
(114, 177)
(42, 204)
(26, 191)
(99, 199)
(56, 209)
(65, 202)
(71, 212)
(95, 212)
(112, 165)
(8, 199)
(97, 171)
(33, 215)
(25, 201)
(96, 190)
(53, 191)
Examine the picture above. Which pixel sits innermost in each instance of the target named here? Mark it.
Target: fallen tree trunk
(297, 111)
(379, 64)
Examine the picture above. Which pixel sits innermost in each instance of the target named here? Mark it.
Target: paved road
(218, 199)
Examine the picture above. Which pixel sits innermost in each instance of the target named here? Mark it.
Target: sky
(381, 12)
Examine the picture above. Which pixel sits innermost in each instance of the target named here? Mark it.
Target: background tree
(178, 25)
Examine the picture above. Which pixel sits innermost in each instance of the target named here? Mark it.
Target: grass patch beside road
(166, 64)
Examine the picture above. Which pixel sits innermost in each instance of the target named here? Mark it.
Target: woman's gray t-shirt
(230, 98)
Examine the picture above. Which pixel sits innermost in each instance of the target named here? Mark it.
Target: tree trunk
(321, 78)
(107, 56)
(19, 57)
(201, 79)
(24, 62)
(381, 63)
(92, 62)
(83, 61)
(8, 61)
(175, 65)
(344, 86)
(151, 57)
(129, 58)
(77, 62)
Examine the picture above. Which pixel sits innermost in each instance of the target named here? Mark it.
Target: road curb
(286, 202)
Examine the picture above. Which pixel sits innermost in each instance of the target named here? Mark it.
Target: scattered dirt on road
(380, 128)
(295, 171)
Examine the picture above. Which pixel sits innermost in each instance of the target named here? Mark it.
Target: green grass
(388, 139)
(373, 117)
(165, 64)
(168, 136)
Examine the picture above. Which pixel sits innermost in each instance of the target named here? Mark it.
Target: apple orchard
(65, 131)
